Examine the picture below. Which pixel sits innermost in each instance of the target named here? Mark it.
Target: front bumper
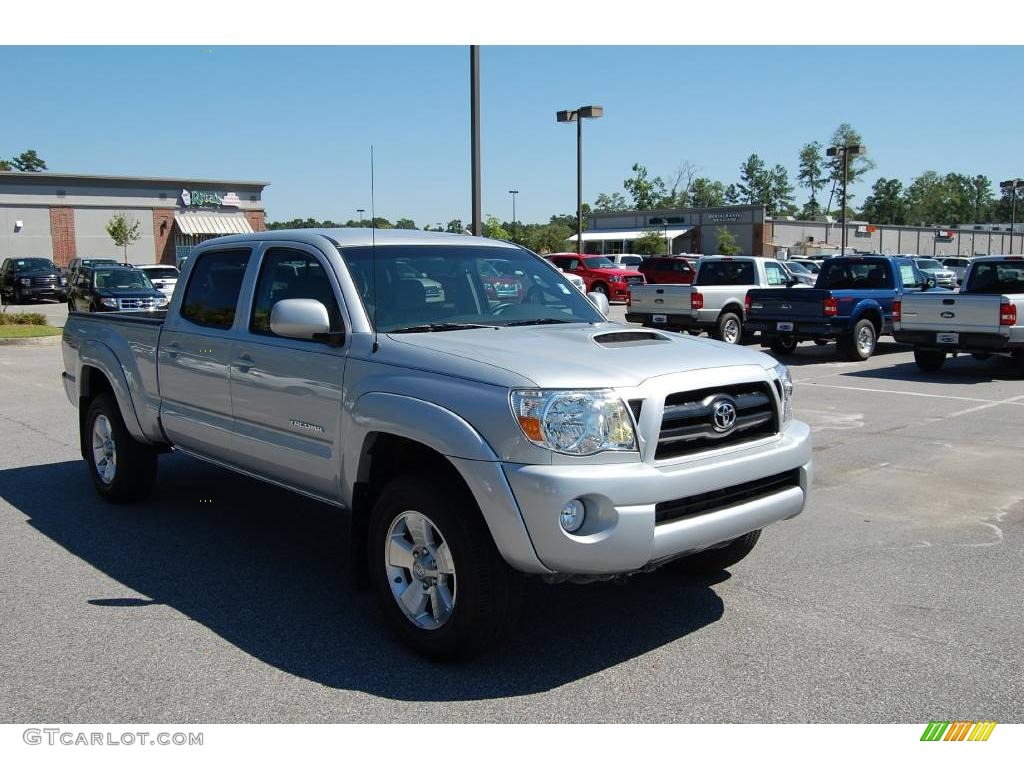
(620, 534)
(38, 292)
(618, 291)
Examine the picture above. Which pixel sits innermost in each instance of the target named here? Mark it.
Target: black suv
(32, 278)
(110, 288)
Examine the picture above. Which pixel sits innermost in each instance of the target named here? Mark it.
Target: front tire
(860, 344)
(600, 288)
(782, 345)
(711, 561)
(440, 581)
(729, 328)
(929, 360)
(19, 297)
(122, 469)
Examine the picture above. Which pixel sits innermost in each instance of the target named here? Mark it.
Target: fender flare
(95, 354)
(864, 307)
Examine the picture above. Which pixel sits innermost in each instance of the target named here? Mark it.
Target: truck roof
(352, 237)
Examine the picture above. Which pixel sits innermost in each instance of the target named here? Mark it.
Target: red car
(667, 269)
(600, 274)
(501, 281)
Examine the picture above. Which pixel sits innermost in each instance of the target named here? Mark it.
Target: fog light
(572, 516)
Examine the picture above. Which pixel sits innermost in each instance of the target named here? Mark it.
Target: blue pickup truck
(851, 302)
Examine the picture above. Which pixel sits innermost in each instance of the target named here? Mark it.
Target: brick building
(61, 216)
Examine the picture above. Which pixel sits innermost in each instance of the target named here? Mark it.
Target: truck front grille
(45, 282)
(723, 498)
(127, 305)
(688, 423)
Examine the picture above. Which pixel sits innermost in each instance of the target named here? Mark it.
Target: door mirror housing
(302, 319)
(600, 301)
(929, 282)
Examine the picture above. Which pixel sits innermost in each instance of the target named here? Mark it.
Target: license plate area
(659, 319)
(784, 326)
(947, 338)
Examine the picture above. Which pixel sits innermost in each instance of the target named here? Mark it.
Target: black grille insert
(734, 495)
(687, 425)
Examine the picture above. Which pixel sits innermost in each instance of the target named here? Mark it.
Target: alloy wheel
(420, 570)
(104, 452)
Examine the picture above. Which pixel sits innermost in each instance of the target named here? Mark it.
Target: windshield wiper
(544, 321)
(432, 327)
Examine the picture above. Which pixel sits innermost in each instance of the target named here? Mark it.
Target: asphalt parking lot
(895, 597)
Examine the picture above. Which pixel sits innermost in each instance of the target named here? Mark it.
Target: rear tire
(122, 469)
(929, 360)
(475, 596)
(599, 288)
(711, 561)
(19, 297)
(783, 346)
(729, 328)
(860, 344)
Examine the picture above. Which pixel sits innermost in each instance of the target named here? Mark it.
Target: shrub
(22, 318)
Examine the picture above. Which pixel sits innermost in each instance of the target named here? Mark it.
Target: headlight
(787, 391)
(163, 301)
(112, 303)
(575, 422)
(63, 281)
(616, 279)
(25, 280)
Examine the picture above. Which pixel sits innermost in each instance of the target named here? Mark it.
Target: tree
(549, 238)
(650, 243)
(845, 136)
(613, 202)
(29, 161)
(380, 223)
(679, 186)
(751, 187)
(5, 166)
(885, 204)
(732, 195)
(811, 210)
(810, 172)
(124, 231)
(984, 202)
(727, 244)
(493, 229)
(705, 193)
(405, 224)
(647, 193)
(926, 200)
(455, 226)
(778, 199)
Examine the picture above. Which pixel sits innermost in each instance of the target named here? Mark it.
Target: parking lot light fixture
(1012, 185)
(845, 152)
(578, 116)
(514, 192)
(360, 211)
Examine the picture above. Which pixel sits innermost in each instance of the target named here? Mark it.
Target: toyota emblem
(723, 413)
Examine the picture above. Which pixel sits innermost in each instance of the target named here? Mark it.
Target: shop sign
(196, 198)
(718, 218)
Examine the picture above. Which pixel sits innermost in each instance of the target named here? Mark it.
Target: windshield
(798, 268)
(997, 277)
(630, 261)
(928, 264)
(162, 273)
(432, 288)
(840, 275)
(122, 280)
(599, 262)
(726, 273)
(34, 264)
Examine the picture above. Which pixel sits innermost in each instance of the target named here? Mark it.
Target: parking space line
(1008, 401)
(989, 403)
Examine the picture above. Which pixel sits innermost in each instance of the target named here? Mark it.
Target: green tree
(845, 136)
(811, 210)
(616, 201)
(455, 226)
(124, 231)
(5, 166)
(810, 173)
(29, 161)
(984, 201)
(647, 193)
(727, 244)
(778, 199)
(381, 223)
(926, 200)
(493, 229)
(885, 204)
(754, 179)
(732, 195)
(405, 224)
(549, 238)
(650, 243)
(705, 193)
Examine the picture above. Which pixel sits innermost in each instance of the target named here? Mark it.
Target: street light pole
(360, 211)
(577, 116)
(474, 134)
(845, 152)
(514, 192)
(1012, 185)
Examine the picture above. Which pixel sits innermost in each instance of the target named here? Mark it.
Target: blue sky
(304, 118)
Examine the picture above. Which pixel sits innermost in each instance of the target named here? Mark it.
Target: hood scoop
(618, 339)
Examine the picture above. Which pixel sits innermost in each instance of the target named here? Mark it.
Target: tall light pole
(474, 134)
(513, 192)
(577, 116)
(1012, 185)
(360, 211)
(845, 152)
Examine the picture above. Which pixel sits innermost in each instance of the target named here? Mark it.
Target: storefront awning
(630, 234)
(212, 223)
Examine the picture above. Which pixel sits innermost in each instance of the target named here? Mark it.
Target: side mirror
(600, 301)
(929, 282)
(302, 319)
(792, 281)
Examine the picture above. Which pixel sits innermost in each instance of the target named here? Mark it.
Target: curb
(32, 341)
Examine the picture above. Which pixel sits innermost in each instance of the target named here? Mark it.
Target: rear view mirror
(302, 319)
(600, 301)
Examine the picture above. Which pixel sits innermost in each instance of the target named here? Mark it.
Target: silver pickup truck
(715, 300)
(471, 439)
(982, 318)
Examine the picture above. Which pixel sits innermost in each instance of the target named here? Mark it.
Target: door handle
(172, 349)
(243, 363)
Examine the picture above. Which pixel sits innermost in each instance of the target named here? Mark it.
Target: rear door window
(211, 296)
(997, 277)
(726, 273)
(841, 275)
(774, 273)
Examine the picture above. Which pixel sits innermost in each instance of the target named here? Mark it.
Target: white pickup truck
(713, 303)
(981, 319)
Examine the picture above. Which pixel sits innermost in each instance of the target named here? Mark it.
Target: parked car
(626, 260)
(959, 265)
(851, 303)
(163, 276)
(599, 274)
(78, 262)
(667, 269)
(983, 318)
(22, 279)
(576, 280)
(944, 276)
(501, 283)
(111, 288)
(468, 443)
(799, 272)
(811, 265)
(713, 303)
